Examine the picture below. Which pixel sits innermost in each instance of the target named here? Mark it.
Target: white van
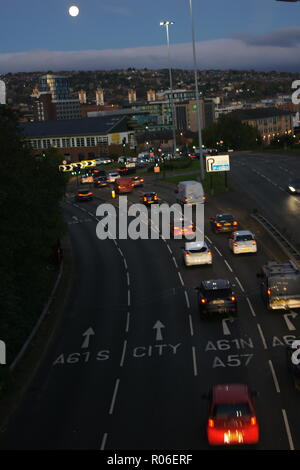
(190, 192)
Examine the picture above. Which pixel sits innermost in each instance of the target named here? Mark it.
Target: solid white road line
(175, 262)
(218, 251)
(187, 299)
(194, 361)
(274, 376)
(127, 322)
(191, 325)
(250, 306)
(180, 277)
(228, 265)
(104, 438)
(262, 336)
(114, 397)
(123, 353)
(239, 283)
(288, 430)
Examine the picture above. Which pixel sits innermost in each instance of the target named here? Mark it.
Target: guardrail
(282, 241)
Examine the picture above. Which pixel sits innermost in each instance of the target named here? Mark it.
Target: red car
(232, 417)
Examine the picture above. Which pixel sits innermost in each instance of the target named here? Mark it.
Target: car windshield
(244, 238)
(231, 410)
(224, 218)
(198, 250)
(217, 293)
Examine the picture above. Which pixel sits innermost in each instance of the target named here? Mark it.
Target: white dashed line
(180, 277)
(104, 439)
(187, 299)
(114, 397)
(125, 263)
(228, 265)
(250, 306)
(121, 252)
(218, 251)
(194, 361)
(91, 214)
(274, 377)
(128, 297)
(175, 262)
(191, 325)
(262, 336)
(123, 353)
(288, 430)
(169, 248)
(209, 241)
(127, 322)
(128, 279)
(239, 283)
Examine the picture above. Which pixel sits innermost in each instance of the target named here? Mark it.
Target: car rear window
(198, 250)
(224, 218)
(217, 293)
(285, 286)
(231, 410)
(244, 238)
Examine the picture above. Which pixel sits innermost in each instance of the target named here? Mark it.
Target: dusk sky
(38, 35)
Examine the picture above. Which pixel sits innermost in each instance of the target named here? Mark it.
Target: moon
(73, 10)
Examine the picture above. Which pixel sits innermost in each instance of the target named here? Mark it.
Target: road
(132, 358)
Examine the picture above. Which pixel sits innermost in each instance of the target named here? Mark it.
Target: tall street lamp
(197, 94)
(166, 24)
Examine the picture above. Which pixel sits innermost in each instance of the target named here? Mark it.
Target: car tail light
(235, 223)
(253, 421)
(89, 194)
(209, 252)
(233, 298)
(269, 291)
(142, 179)
(253, 242)
(203, 197)
(218, 224)
(188, 254)
(190, 226)
(177, 228)
(235, 244)
(203, 301)
(155, 198)
(145, 199)
(211, 423)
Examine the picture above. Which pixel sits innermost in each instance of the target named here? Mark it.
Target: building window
(79, 142)
(65, 142)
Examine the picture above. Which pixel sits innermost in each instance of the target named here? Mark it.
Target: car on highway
(137, 181)
(223, 223)
(112, 176)
(232, 417)
(294, 368)
(84, 195)
(123, 185)
(216, 296)
(196, 253)
(149, 198)
(181, 226)
(100, 181)
(242, 241)
(294, 186)
(103, 161)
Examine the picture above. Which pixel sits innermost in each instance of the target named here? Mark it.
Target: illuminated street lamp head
(73, 10)
(166, 23)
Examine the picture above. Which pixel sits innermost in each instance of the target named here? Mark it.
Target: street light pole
(197, 94)
(166, 24)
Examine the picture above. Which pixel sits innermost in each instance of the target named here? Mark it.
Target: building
(270, 122)
(151, 95)
(186, 114)
(131, 96)
(82, 97)
(79, 139)
(52, 99)
(99, 97)
(2, 92)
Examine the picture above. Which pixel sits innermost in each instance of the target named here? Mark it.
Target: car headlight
(292, 189)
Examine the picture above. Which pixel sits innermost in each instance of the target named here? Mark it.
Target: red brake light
(211, 423)
(253, 421)
(235, 222)
(269, 291)
(235, 244)
(155, 198)
(145, 199)
(203, 301)
(142, 179)
(188, 254)
(209, 252)
(233, 298)
(218, 224)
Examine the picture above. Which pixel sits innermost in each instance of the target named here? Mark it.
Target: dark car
(216, 296)
(232, 416)
(149, 198)
(293, 362)
(100, 181)
(137, 181)
(294, 186)
(84, 195)
(224, 223)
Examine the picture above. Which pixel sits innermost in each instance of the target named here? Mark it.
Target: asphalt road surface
(132, 357)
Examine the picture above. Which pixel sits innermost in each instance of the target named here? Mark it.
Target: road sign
(217, 163)
(156, 169)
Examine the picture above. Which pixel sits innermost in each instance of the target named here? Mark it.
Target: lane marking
(114, 397)
(187, 299)
(180, 277)
(191, 325)
(175, 262)
(121, 252)
(194, 361)
(91, 214)
(123, 353)
(127, 322)
(128, 297)
(288, 430)
(208, 239)
(169, 248)
(218, 251)
(262, 336)
(239, 283)
(128, 279)
(228, 265)
(274, 376)
(104, 439)
(125, 263)
(250, 306)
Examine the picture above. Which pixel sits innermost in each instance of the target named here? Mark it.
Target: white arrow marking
(158, 327)
(88, 333)
(226, 330)
(289, 324)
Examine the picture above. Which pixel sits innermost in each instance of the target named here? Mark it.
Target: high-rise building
(2, 92)
(151, 95)
(131, 96)
(82, 97)
(99, 97)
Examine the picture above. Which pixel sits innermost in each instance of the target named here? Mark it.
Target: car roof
(230, 393)
(194, 245)
(150, 193)
(216, 284)
(224, 215)
(243, 232)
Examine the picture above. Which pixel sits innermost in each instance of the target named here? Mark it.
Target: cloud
(278, 50)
